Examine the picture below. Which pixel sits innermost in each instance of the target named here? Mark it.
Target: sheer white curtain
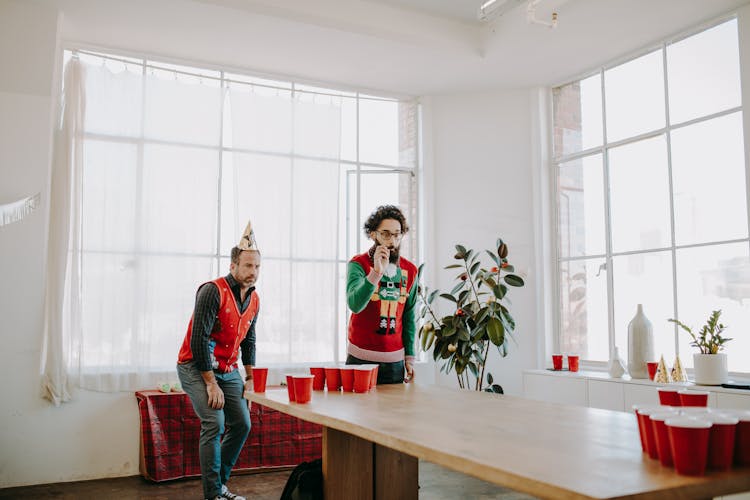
(64, 234)
(150, 192)
(143, 194)
(283, 173)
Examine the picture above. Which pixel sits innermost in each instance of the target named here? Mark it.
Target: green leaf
(457, 287)
(495, 331)
(513, 280)
(494, 257)
(474, 268)
(432, 295)
(509, 268)
(424, 336)
(499, 291)
(462, 250)
(462, 296)
(481, 315)
(463, 334)
(490, 379)
(453, 266)
(448, 296)
(419, 270)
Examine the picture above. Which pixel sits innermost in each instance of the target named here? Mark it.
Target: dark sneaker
(228, 495)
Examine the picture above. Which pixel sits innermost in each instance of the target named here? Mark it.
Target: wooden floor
(435, 483)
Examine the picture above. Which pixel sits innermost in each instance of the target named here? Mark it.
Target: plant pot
(710, 369)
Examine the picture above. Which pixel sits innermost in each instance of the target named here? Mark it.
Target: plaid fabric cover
(170, 431)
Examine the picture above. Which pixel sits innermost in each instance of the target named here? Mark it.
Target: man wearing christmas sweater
(381, 291)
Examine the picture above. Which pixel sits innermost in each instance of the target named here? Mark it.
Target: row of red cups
(357, 378)
(672, 396)
(694, 438)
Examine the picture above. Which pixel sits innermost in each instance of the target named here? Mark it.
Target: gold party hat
(662, 375)
(247, 242)
(678, 372)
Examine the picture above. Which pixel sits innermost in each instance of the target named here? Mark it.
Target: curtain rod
(229, 80)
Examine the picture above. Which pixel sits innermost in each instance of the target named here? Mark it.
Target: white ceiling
(415, 47)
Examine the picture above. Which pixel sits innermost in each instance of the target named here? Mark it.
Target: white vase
(640, 344)
(616, 366)
(710, 369)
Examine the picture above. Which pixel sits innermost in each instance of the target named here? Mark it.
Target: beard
(393, 254)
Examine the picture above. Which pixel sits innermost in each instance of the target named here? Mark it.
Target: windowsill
(604, 377)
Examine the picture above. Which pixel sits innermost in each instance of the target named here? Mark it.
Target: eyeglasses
(387, 235)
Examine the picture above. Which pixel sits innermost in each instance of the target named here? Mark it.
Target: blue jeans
(217, 456)
(388, 373)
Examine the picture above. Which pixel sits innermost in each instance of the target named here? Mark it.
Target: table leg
(396, 475)
(347, 466)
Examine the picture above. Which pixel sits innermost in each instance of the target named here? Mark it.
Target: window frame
(229, 75)
(556, 160)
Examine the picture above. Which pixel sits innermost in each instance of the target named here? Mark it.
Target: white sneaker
(225, 493)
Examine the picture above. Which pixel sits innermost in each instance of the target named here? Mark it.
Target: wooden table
(372, 443)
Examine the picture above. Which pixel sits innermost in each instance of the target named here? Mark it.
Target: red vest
(363, 326)
(232, 329)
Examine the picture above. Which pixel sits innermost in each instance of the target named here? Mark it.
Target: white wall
(478, 157)
(97, 435)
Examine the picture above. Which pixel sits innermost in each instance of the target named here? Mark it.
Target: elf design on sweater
(390, 291)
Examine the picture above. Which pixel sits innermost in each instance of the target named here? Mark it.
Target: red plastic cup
(661, 436)
(260, 375)
(573, 363)
(290, 388)
(741, 437)
(669, 396)
(320, 377)
(720, 440)
(333, 378)
(557, 361)
(648, 430)
(362, 376)
(373, 373)
(640, 418)
(303, 387)
(347, 378)
(688, 439)
(651, 366)
(693, 398)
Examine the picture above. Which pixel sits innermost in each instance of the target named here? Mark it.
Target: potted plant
(710, 364)
(479, 322)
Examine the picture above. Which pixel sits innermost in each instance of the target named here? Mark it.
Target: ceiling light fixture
(492, 9)
(531, 15)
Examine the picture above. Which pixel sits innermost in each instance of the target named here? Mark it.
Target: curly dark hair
(385, 212)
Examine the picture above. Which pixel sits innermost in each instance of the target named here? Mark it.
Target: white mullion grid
(222, 97)
(556, 231)
(358, 183)
(139, 298)
(291, 260)
(647, 135)
(673, 249)
(612, 338)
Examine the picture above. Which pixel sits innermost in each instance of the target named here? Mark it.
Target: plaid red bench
(170, 431)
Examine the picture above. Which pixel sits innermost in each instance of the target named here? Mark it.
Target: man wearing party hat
(223, 324)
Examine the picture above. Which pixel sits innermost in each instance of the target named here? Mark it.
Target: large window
(652, 199)
(177, 159)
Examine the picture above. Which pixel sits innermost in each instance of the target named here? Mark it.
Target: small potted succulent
(710, 364)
